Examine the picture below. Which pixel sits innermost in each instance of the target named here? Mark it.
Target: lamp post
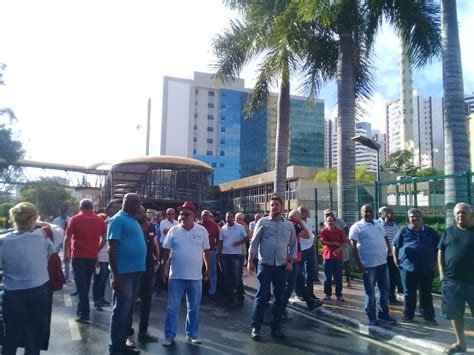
(370, 143)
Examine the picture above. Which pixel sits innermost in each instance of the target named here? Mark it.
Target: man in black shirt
(456, 262)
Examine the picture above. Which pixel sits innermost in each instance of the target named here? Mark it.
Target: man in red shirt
(213, 230)
(85, 236)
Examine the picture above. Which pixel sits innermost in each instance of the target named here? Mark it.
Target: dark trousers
(422, 281)
(291, 278)
(232, 273)
(100, 280)
(269, 275)
(304, 283)
(395, 279)
(25, 316)
(83, 269)
(145, 293)
(332, 267)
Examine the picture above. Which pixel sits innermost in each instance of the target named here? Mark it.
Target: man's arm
(113, 262)
(395, 256)
(156, 254)
(207, 262)
(103, 240)
(67, 248)
(357, 256)
(441, 264)
(305, 234)
(165, 255)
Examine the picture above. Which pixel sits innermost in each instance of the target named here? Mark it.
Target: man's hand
(289, 267)
(250, 267)
(207, 274)
(156, 265)
(362, 268)
(66, 257)
(117, 284)
(235, 244)
(164, 275)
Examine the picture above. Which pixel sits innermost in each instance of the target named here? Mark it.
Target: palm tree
(362, 174)
(286, 49)
(328, 175)
(456, 143)
(355, 23)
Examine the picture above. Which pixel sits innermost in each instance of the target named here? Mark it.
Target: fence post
(469, 182)
(377, 204)
(415, 193)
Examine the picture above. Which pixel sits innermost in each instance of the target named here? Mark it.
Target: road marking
(74, 330)
(67, 300)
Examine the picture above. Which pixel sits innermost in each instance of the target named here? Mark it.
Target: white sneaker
(167, 342)
(194, 340)
(130, 341)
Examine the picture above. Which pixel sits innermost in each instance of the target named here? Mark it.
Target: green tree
(286, 49)
(456, 142)
(429, 172)
(401, 162)
(47, 196)
(355, 24)
(10, 148)
(328, 175)
(362, 174)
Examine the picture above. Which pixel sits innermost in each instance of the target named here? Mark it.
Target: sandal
(454, 349)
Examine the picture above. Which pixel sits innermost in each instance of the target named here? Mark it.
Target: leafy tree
(456, 142)
(429, 172)
(47, 196)
(286, 48)
(362, 175)
(328, 175)
(10, 148)
(401, 162)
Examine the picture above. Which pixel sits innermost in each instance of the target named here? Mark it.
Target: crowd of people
(190, 257)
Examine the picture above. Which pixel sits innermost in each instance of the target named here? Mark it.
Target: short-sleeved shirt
(231, 234)
(149, 234)
(186, 248)
(131, 251)
(308, 243)
(213, 230)
(458, 247)
(371, 243)
(24, 258)
(298, 230)
(390, 232)
(166, 224)
(417, 250)
(333, 235)
(85, 230)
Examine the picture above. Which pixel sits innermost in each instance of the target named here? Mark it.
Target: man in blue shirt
(414, 252)
(127, 255)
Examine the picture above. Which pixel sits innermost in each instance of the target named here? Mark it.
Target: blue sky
(82, 71)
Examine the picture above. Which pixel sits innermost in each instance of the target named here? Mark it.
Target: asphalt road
(224, 330)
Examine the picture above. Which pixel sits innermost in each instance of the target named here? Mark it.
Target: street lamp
(370, 143)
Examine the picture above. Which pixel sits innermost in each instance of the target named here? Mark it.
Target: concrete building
(205, 119)
(469, 100)
(381, 138)
(328, 142)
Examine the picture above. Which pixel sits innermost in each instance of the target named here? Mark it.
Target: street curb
(378, 332)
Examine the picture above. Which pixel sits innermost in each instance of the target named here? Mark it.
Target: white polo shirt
(166, 224)
(308, 243)
(186, 248)
(229, 235)
(370, 242)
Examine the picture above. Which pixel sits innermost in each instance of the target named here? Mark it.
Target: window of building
(195, 115)
(210, 140)
(195, 103)
(213, 165)
(221, 165)
(210, 117)
(222, 129)
(210, 129)
(223, 105)
(194, 151)
(210, 105)
(195, 127)
(196, 91)
(222, 153)
(223, 94)
(222, 117)
(222, 141)
(209, 152)
(195, 139)
(211, 93)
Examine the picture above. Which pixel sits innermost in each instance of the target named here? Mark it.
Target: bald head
(131, 203)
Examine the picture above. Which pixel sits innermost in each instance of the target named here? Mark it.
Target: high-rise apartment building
(422, 133)
(205, 119)
(328, 142)
(469, 101)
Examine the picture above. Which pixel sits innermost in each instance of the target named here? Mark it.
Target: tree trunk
(282, 139)
(345, 122)
(456, 142)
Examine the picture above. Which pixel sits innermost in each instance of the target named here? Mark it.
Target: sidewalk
(417, 336)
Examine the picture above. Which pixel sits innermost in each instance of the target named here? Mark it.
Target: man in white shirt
(231, 237)
(370, 247)
(189, 243)
(167, 223)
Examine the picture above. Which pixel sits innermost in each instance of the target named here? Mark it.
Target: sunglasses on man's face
(170, 213)
(185, 214)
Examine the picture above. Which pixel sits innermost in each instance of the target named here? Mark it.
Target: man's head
(206, 216)
(382, 212)
(330, 220)
(294, 216)
(86, 205)
(276, 206)
(415, 218)
(218, 216)
(187, 212)
(159, 216)
(131, 203)
(230, 218)
(462, 214)
(327, 212)
(257, 217)
(239, 218)
(304, 212)
(64, 210)
(389, 216)
(367, 212)
(170, 214)
(141, 215)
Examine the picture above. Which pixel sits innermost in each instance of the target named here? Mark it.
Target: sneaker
(168, 342)
(299, 298)
(193, 340)
(129, 350)
(147, 338)
(407, 319)
(386, 318)
(212, 296)
(277, 333)
(341, 299)
(395, 302)
(255, 334)
(431, 321)
(81, 318)
(105, 303)
(98, 308)
(130, 341)
(285, 317)
(373, 321)
(315, 304)
(327, 298)
(74, 293)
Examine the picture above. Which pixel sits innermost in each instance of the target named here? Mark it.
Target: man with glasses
(167, 223)
(189, 243)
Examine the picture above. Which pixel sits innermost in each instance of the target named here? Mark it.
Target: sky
(79, 73)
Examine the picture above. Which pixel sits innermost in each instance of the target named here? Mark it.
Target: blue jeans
(304, 283)
(123, 310)
(266, 276)
(332, 267)
(83, 270)
(232, 274)
(290, 284)
(412, 281)
(25, 315)
(176, 289)
(379, 275)
(98, 288)
(213, 276)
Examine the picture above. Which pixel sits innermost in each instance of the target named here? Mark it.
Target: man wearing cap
(189, 243)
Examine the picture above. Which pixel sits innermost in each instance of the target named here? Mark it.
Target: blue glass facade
(254, 145)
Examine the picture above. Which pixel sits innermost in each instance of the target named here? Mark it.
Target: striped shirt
(390, 232)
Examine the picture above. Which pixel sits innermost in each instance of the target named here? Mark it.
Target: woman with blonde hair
(24, 255)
